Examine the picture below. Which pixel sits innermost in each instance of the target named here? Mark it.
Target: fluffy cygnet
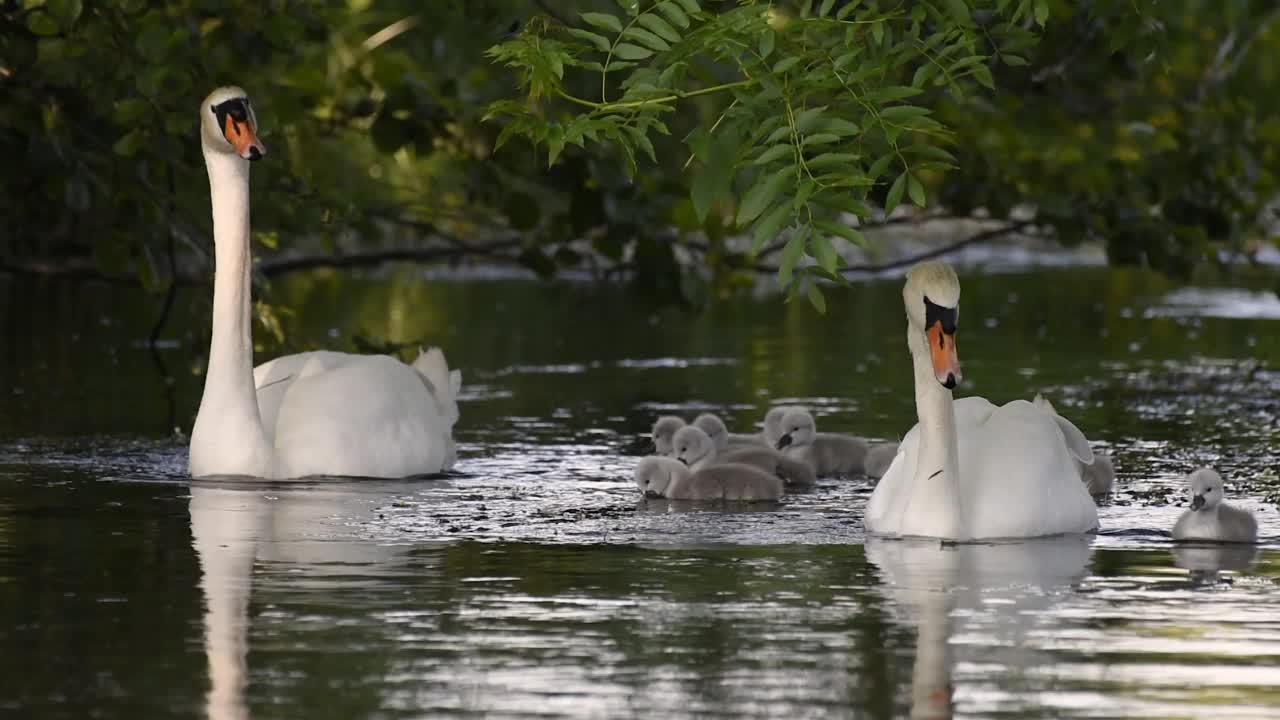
(1210, 518)
(879, 457)
(663, 430)
(773, 423)
(826, 453)
(715, 428)
(695, 448)
(670, 478)
(1100, 476)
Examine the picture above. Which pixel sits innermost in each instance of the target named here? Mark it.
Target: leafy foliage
(814, 109)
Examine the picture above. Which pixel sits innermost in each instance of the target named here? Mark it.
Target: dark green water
(536, 583)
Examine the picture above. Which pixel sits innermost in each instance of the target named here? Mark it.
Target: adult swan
(970, 470)
(315, 413)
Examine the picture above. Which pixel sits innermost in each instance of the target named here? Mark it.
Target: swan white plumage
(1098, 476)
(970, 469)
(315, 413)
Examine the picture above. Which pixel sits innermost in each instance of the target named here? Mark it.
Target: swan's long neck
(937, 482)
(228, 438)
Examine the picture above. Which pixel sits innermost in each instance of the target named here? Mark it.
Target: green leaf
(915, 190)
(808, 120)
(847, 9)
(772, 223)
(824, 253)
(130, 110)
(840, 126)
(778, 134)
(627, 51)
(690, 6)
(880, 165)
(40, 23)
(844, 231)
(815, 298)
(1042, 12)
(825, 8)
(785, 64)
(601, 43)
(717, 172)
(604, 21)
(959, 10)
(1013, 60)
(923, 74)
(674, 14)
(903, 114)
(766, 43)
(773, 153)
(129, 144)
(646, 38)
(931, 151)
(877, 31)
(765, 190)
(819, 139)
(659, 27)
(642, 141)
(982, 74)
(791, 254)
(827, 159)
(895, 194)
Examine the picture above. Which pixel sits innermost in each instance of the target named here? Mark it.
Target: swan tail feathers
(442, 383)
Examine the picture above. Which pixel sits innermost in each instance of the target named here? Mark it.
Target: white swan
(664, 429)
(695, 448)
(970, 469)
(667, 477)
(316, 413)
(826, 453)
(1098, 476)
(1210, 518)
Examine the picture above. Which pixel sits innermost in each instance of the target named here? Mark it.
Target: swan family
(967, 470)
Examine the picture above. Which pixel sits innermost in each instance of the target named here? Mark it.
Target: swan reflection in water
(998, 590)
(1205, 561)
(235, 525)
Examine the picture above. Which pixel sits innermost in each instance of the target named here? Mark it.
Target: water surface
(534, 582)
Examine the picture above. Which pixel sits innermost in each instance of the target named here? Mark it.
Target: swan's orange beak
(942, 348)
(241, 135)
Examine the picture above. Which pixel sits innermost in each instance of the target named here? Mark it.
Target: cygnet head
(932, 299)
(773, 423)
(228, 125)
(692, 445)
(798, 429)
(663, 432)
(1206, 489)
(715, 429)
(654, 475)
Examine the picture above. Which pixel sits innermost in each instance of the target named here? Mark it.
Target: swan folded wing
(370, 415)
(1019, 479)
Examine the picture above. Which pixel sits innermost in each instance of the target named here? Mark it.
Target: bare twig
(920, 257)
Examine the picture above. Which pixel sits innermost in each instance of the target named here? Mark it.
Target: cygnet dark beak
(784, 441)
(1197, 502)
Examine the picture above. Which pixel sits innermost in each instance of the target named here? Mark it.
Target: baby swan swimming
(695, 448)
(1210, 518)
(826, 453)
(663, 430)
(1099, 477)
(714, 427)
(669, 478)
